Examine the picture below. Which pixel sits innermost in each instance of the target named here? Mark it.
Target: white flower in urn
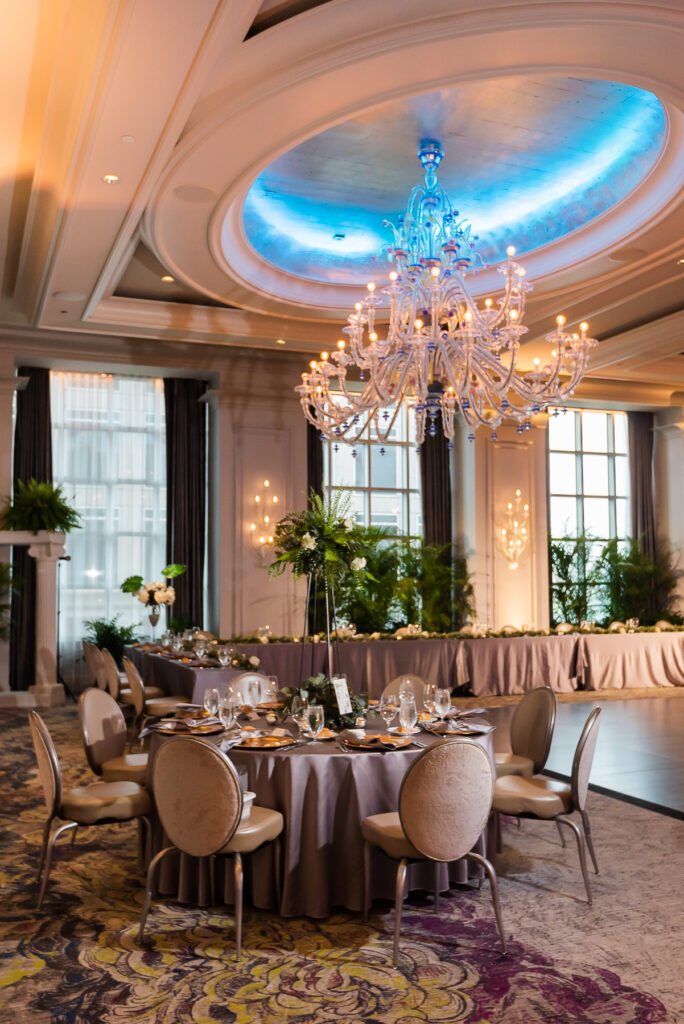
(357, 564)
(349, 524)
(143, 596)
(159, 592)
(308, 542)
(253, 660)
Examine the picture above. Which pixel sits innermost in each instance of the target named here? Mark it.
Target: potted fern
(36, 507)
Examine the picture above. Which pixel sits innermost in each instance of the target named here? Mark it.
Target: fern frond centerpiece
(324, 543)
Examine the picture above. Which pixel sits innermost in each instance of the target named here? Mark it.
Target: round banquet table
(324, 793)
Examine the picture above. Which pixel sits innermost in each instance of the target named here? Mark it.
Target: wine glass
(315, 719)
(408, 715)
(212, 700)
(223, 656)
(387, 709)
(200, 648)
(406, 689)
(177, 644)
(299, 711)
(254, 692)
(442, 702)
(272, 687)
(227, 712)
(429, 698)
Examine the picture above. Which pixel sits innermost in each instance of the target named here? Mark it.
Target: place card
(279, 732)
(253, 716)
(342, 695)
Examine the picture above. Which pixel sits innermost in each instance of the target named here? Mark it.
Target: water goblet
(272, 687)
(200, 648)
(387, 709)
(408, 715)
(299, 711)
(165, 640)
(211, 701)
(315, 719)
(429, 698)
(254, 692)
(405, 689)
(177, 644)
(223, 656)
(442, 702)
(227, 712)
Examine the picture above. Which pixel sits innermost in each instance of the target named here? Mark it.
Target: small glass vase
(153, 615)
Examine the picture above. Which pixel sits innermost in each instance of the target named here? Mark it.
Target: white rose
(349, 524)
(308, 542)
(263, 639)
(143, 596)
(358, 564)
(253, 660)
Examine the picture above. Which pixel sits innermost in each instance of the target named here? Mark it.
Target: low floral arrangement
(246, 662)
(323, 542)
(154, 593)
(319, 690)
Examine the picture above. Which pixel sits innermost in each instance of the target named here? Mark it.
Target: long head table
(492, 665)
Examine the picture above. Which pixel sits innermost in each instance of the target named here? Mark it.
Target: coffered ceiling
(257, 148)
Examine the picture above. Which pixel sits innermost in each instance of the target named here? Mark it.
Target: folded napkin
(238, 737)
(467, 713)
(459, 728)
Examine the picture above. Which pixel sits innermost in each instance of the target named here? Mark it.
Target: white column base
(47, 696)
(17, 699)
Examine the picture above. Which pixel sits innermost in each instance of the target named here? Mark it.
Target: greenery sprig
(39, 506)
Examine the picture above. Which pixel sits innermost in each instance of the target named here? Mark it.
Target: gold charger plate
(271, 705)
(383, 742)
(265, 743)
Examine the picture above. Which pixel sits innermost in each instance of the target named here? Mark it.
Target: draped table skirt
(323, 794)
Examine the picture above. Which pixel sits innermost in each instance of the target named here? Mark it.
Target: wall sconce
(513, 534)
(261, 529)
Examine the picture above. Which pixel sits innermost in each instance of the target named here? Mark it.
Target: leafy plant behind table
(39, 506)
(108, 634)
(370, 601)
(637, 585)
(434, 587)
(320, 690)
(577, 580)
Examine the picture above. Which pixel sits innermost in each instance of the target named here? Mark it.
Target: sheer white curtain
(109, 455)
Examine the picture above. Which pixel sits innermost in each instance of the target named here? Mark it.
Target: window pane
(595, 474)
(415, 515)
(562, 431)
(563, 517)
(388, 466)
(597, 517)
(358, 503)
(622, 527)
(389, 510)
(347, 469)
(621, 482)
(562, 479)
(620, 428)
(595, 431)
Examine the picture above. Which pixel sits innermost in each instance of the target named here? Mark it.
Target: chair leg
(491, 875)
(278, 870)
(73, 836)
(560, 833)
(48, 858)
(149, 888)
(366, 879)
(435, 885)
(499, 842)
(398, 900)
(238, 905)
(587, 835)
(580, 849)
(46, 840)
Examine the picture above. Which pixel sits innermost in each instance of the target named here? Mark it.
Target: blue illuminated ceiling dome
(527, 162)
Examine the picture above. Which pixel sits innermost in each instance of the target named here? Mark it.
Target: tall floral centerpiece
(323, 543)
(154, 595)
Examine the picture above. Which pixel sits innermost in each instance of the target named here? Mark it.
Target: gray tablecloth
(323, 794)
(505, 665)
(629, 660)
(179, 679)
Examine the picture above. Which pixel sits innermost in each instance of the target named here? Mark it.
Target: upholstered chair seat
(105, 801)
(150, 692)
(513, 764)
(530, 735)
(161, 706)
(444, 804)
(542, 797)
(199, 802)
(97, 804)
(103, 730)
(121, 692)
(549, 800)
(158, 706)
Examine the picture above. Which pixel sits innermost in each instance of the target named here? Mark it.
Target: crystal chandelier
(441, 348)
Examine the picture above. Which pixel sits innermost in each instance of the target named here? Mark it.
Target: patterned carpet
(78, 963)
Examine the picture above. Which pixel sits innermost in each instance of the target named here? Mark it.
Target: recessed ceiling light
(681, 260)
(110, 179)
(70, 296)
(168, 278)
(128, 138)
(280, 341)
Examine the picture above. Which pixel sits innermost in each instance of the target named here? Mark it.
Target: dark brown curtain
(314, 460)
(640, 433)
(435, 472)
(186, 444)
(32, 459)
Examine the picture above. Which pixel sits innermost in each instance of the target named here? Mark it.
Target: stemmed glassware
(272, 687)
(227, 711)
(224, 656)
(212, 699)
(406, 689)
(387, 709)
(254, 692)
(408, 714)
(429, 698)
(300, 712)
(442, 703)
(315, 719)
(200, 648)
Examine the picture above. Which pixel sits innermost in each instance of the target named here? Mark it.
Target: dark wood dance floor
(640, 751)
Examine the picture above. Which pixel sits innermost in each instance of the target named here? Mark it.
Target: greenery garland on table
(319, 690)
